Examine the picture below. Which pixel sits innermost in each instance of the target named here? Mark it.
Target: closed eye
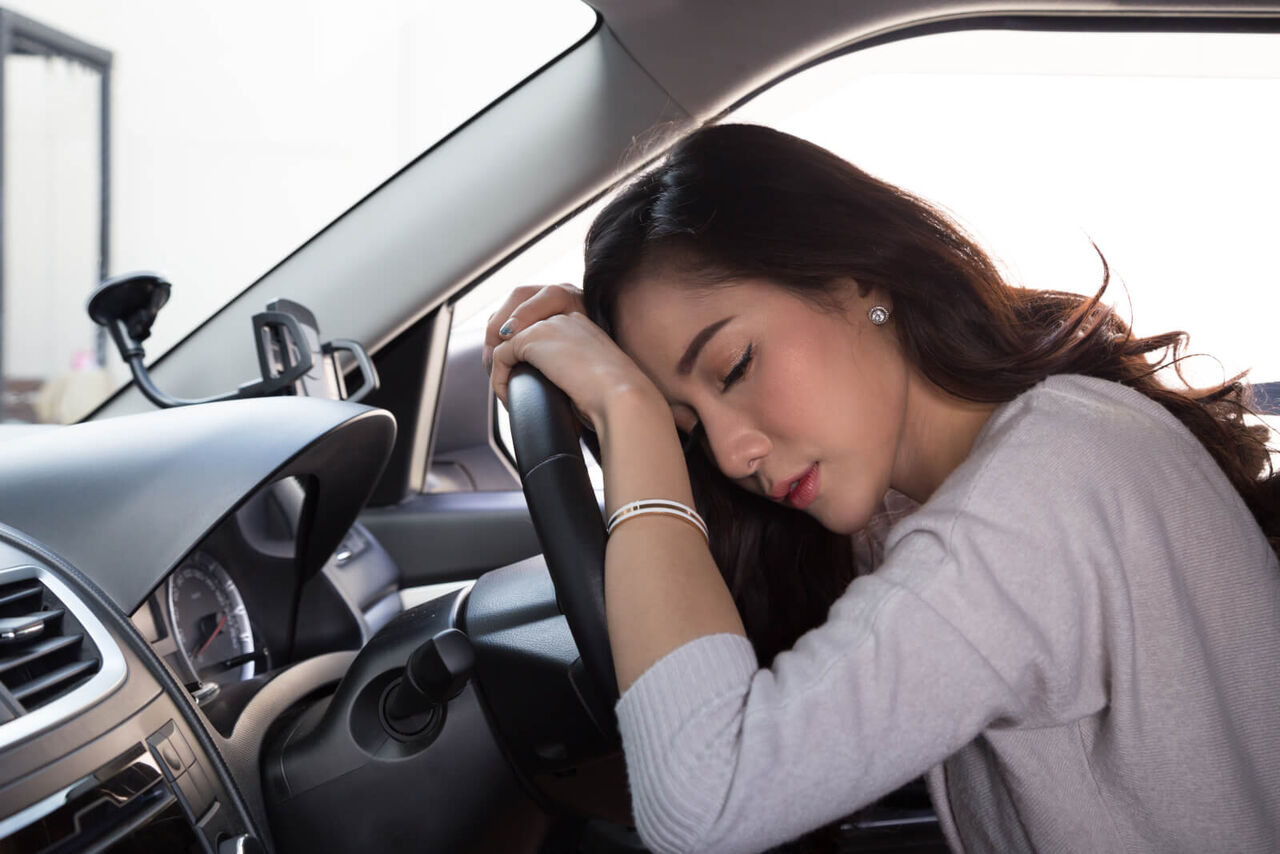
(738, 370)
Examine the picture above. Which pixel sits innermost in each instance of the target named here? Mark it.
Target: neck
(938, 433)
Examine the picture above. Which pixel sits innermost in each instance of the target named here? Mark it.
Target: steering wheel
(569, 526)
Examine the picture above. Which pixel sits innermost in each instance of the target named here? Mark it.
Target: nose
(736, 444)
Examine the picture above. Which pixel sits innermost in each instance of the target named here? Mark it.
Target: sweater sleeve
(725, 757)
(984, 614)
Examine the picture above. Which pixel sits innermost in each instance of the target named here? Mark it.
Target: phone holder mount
(290, 356)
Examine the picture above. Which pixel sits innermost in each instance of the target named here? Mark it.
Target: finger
(517, 349)
(495, 321)
(504, 359)
(542, 303)
(546, 302)
(486, 352)
(499, 317)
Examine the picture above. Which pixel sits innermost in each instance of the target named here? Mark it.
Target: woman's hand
(662, 588)
(525, 306)
(548, 330)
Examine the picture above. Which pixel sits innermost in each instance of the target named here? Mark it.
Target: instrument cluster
(211, 626)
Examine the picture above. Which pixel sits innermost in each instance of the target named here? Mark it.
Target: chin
(841, 525)
(846, 520)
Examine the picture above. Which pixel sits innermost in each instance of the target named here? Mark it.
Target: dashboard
(202, 650)
(159, 573)
(234, 613)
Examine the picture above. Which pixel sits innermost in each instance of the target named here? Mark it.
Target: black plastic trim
(454, 536)
(151, 485)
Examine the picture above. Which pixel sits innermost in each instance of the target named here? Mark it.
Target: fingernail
(507, 328)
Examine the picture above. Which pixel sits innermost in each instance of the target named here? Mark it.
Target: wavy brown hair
(737, 201)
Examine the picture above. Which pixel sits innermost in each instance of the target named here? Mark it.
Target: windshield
(233, 132)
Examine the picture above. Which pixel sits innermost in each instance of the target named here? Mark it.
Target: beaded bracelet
(658, 506)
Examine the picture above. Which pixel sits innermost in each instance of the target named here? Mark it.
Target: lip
(806, 490)
(782, 488)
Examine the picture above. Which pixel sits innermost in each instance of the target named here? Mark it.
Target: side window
(1157, 147)
(480, 455)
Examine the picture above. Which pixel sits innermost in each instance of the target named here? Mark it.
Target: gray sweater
(1077, 636)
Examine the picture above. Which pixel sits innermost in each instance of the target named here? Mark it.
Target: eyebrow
(685, 365)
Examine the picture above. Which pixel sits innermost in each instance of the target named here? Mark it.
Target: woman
(1077, 632)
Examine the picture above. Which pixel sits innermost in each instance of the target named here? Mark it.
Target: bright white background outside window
(1161, 148)
(239, 130)
(1158, 147)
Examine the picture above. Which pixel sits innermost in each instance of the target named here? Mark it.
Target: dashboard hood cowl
(125, 499)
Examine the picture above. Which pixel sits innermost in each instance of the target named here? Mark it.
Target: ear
(848, 289)
(865, 294)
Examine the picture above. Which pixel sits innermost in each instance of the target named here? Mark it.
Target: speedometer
(210, 623)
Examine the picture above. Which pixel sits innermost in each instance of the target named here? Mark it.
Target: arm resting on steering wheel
(662, 588)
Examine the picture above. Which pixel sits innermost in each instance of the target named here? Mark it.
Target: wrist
(633, 404)
(640, 451)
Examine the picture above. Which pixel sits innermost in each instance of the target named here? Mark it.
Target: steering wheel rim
(570, 528)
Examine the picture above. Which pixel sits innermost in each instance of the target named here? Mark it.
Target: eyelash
(738, 370)
(695, 436)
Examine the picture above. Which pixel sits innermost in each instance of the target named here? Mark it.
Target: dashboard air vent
(45, 653)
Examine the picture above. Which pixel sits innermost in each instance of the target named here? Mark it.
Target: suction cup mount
(127, 306)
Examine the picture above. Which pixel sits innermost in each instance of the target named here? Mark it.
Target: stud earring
(879, 315)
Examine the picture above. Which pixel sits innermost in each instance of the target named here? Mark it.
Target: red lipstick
(798, 491)
(806, 489)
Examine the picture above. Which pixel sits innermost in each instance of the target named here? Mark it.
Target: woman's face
(797, 403)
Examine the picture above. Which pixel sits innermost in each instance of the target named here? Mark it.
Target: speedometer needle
(221, 623)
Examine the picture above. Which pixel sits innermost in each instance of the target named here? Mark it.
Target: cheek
(860, 416)
(876, 379)
(792, 393)
(846, 393)
(877, 400)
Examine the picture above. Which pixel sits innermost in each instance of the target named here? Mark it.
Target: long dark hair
(736, 201)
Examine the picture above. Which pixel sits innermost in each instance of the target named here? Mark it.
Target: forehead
(658, 315)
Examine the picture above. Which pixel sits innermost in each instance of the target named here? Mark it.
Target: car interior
(301, 585)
